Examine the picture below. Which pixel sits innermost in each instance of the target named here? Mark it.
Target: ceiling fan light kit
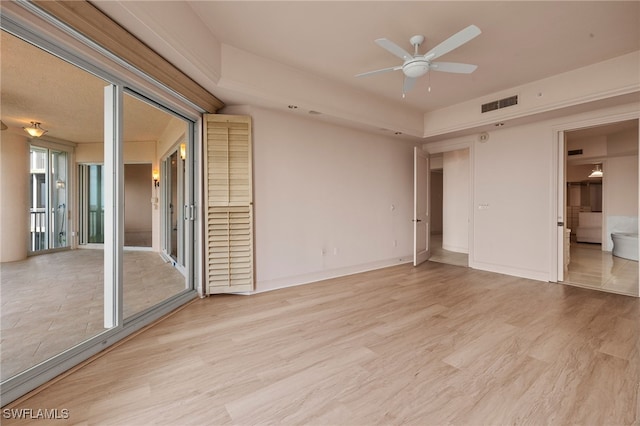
(416, 65)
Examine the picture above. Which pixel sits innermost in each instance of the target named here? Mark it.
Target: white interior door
(562, 239)
(421, 228)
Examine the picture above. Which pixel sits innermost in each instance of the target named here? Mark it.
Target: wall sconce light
(183, 151)
(156, 178)
(35, 130)
(60, 184)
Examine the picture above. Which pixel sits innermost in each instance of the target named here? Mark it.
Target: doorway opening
(600, 185)
(449, 199)
(137, 205)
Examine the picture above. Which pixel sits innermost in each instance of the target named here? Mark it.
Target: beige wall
(329, 200)
(514, 177)
(455, 201)
(143, 152)
(14, 193)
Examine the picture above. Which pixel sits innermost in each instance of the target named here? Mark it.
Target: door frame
(455, 145)
(49, 147)
(558, 209)
(182, 194)
(421, 196)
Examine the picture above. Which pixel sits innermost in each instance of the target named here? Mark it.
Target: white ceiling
(521, 42)
(66, 100)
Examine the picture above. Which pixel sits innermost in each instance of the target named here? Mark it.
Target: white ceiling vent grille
(502, 103)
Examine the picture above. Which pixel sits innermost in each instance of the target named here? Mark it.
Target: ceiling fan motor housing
(415, 67)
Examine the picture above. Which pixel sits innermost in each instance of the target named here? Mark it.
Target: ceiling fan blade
(452, 67)
(409, 82)
(394, 48)
(364, 74)
(456, 40)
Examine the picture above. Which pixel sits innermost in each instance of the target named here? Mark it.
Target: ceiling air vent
(502, 103)
(575, 152)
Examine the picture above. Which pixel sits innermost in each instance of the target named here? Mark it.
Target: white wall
(602, 80)
(513, 195)
(455, 201)
(329, 200)
(620, 193)
(514, 192)
(14, 193)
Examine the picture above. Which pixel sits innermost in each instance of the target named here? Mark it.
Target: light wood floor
(54, 301)
(436, 344)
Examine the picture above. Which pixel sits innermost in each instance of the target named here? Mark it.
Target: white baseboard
(506, 270)
(268, 285)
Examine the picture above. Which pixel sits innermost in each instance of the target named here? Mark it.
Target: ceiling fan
(416, 65)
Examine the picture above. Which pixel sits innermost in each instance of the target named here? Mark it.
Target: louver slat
(229, 197)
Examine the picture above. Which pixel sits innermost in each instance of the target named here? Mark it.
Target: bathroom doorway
(600, 182)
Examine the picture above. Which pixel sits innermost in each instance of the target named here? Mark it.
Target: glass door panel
(151, 276)
(91, 204)
(52, 299)
(174, 191)
(39, 199)
(58, 190)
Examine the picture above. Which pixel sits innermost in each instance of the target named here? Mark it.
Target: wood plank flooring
(436, 344)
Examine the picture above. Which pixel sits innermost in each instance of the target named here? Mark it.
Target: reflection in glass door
(156, 274)
(48, 196)
(174, 192)
(91, 204)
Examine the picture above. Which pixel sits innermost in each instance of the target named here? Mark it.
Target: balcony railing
(38, 229)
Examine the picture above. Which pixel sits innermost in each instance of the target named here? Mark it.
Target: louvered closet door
(229, 203)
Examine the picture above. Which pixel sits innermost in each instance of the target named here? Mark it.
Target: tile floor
(590, 267)
(440, 255)
(54, 301)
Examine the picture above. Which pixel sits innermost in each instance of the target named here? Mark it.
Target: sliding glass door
(48, 199)
(154, 276)
(82, 190)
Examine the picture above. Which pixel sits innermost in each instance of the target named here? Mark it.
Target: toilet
(625, 245)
